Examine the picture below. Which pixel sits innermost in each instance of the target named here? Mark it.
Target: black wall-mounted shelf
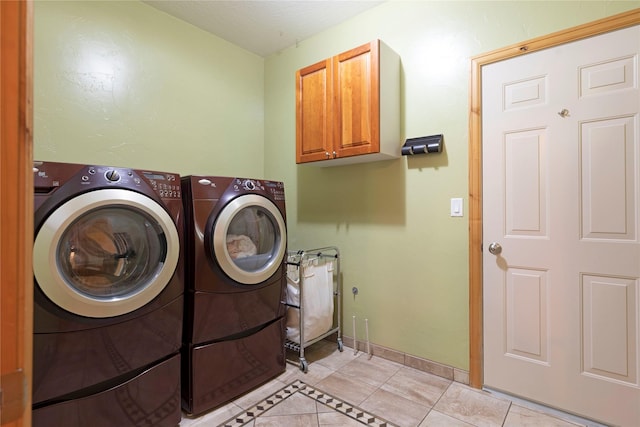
(423, 145)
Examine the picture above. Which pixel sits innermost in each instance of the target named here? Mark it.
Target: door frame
(615, 22)
(16, 215)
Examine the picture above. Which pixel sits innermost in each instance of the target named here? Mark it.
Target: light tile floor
(404, 396)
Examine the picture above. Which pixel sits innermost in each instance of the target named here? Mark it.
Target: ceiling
(263, 27)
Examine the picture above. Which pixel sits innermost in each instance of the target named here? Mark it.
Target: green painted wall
(400, 247)
(121, 83)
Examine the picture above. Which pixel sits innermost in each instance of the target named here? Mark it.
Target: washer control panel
(167, 185)
(112, 175)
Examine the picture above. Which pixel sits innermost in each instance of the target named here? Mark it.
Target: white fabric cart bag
(317, 294)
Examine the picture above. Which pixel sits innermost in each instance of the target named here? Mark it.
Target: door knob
(495, 248)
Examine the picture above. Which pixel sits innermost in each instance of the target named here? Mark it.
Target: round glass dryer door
(105, 253)
(249, 239)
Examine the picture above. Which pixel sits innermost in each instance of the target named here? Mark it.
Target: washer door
(249, 239)
(105, 253)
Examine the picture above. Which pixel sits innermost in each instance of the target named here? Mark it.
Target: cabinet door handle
(326, 153)
(335, 154)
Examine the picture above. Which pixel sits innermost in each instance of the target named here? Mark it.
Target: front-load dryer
(108, 296)
(236, 245)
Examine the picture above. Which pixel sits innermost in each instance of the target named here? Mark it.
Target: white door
(561, 196)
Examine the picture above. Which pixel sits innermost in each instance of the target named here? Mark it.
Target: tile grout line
(506, 414)
(400, 367)
(436, 402)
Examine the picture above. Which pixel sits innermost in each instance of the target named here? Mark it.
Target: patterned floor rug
(363, 417)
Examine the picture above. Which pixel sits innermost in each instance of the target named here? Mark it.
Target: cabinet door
(356, 113)
(313, 112)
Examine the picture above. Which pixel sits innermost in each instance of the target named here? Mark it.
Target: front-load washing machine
(108, 296)
(236, 245)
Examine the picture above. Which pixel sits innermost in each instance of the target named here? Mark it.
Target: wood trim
(611, 23)
(16, 213)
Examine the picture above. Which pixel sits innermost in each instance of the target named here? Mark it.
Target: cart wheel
(304, 366)
(340, 346)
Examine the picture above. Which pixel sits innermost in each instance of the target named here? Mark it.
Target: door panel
(608, 182)
(526, 194)
(561, 182)
(609, 329)
(526, 324)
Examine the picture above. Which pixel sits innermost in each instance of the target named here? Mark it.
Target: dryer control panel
(273, 188)
(213, 187)
(276, 189)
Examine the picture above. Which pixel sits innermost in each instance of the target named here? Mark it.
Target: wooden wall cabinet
(348, 107)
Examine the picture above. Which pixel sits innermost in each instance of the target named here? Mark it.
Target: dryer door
(249, 239)
(105, 253)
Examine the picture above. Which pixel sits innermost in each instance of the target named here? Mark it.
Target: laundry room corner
(392, 220)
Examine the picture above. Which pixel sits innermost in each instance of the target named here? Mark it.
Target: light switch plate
(456, 207)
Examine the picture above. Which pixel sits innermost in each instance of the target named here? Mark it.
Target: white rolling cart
(314, 299)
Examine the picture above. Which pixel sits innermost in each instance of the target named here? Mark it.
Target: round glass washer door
(249, 239)
(105, 253)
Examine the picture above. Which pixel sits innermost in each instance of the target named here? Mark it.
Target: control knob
(112, 175)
